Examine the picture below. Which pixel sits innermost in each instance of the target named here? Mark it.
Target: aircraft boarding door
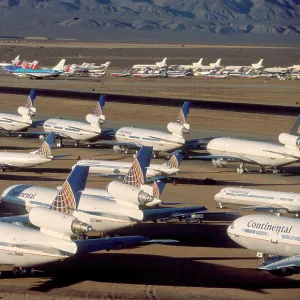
(274, 237)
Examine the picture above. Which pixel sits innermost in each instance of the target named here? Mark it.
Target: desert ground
(205, 264)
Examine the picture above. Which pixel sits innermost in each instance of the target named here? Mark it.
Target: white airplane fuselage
(267, 234)
(255, 151)
(121, 168)
(103, 214)
(22, 160)
(26, 247)
(257, 197)
(79, 131)
(12, 122)
(160, 141)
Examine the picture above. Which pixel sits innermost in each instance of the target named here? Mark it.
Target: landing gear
(17, 271)
(221, 205)
(277, 171)
(77, 144)
(154, 155)
(262, 170)
(59, 144)
(2, 169)
(241, 169)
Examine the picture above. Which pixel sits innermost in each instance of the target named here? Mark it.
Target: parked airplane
(37, 73)
(157, 65)
(211, 66)
(14, 62)
(275, 239)
(120, 168)
(24, 247)
(16, 160)
(276, 70)
(260, 200)
(264, 154)
(21, 122)
(133, 138)
(76, 130)
(254, 66)
(121, 209)
(193, 66)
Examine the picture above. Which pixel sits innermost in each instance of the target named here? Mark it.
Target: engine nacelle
(219, 163)
(118, 149)
(289, 140)
(58, 222)
(94, 120)
(178, 129)
(128, 193)
(25, 112)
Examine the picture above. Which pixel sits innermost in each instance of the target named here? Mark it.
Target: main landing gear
(59, 144)
(242, 169)
(17, 271)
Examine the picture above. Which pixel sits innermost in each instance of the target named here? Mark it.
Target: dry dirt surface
(205, 264)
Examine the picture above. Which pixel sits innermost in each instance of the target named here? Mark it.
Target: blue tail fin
(296, 127)
(30, 100)
(183, 113)
(45, 149)
(175, 160)
(137, 173)
(98, 111)
(67, 200)
(158, 188)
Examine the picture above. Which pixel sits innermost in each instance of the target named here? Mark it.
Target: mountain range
(193, 20)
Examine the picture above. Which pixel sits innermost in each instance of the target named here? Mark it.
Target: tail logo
(45, 150)
(298, 131)
(173, 162)
(155, 190)
(98, 110)
(65, 200)
(181, 118)
(28, 103)
(135, 175)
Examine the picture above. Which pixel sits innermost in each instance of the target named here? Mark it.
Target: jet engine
(289, 140)
(25, 112)
(176, 128)
(219, 163)
(58, 222)
(94, 120)
(128, 193)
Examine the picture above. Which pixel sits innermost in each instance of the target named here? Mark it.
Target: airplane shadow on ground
(14, 148)
(157, 270)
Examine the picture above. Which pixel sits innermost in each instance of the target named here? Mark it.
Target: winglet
(67, 200)
(158, 188)
(98, 111)
(30, 100)
(184, 113)
(136, 175)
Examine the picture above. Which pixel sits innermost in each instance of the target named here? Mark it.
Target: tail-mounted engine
(219, 163)
(289, 140)
(94, 120)
(27, 112)
(178, 129)
(58, 222)
(128, 193)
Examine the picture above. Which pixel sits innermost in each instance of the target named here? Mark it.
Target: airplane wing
(15, 219)
(171, 213)
(197, 144)
(36, 123)
(287, 155)
(114, 243)
(287, 262)
(269, 209)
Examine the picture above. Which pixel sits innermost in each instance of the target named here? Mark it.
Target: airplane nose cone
(217, 197)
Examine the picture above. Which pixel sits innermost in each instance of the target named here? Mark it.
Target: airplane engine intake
(176, 128)
(94, 120)
(128, 193)
(289, 140)
(58, 222)
(219, 163)
(25, 112)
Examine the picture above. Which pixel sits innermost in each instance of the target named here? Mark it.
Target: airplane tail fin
(30, 100)
(98, 111)
(60, 66)
(183, 113)
(218, 63)
(106, 65)
(68, 68)
(136, 175)
(295, 130)
(158, 188)
(25, 64)
(34, 65)
(200, 62)
(175, 160)
(16, 60)
(67, 200)
(46, 148)
(162, 63)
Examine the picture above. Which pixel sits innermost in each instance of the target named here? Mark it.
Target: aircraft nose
(217, 197)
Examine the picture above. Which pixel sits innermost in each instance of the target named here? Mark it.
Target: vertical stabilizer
(175, 160)
(46, 148)
(296, 127)
(183, 113)
(136, 175)
(30, 100)
(67, 200)
(158, 188)
(60, 66)
(98, 111)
